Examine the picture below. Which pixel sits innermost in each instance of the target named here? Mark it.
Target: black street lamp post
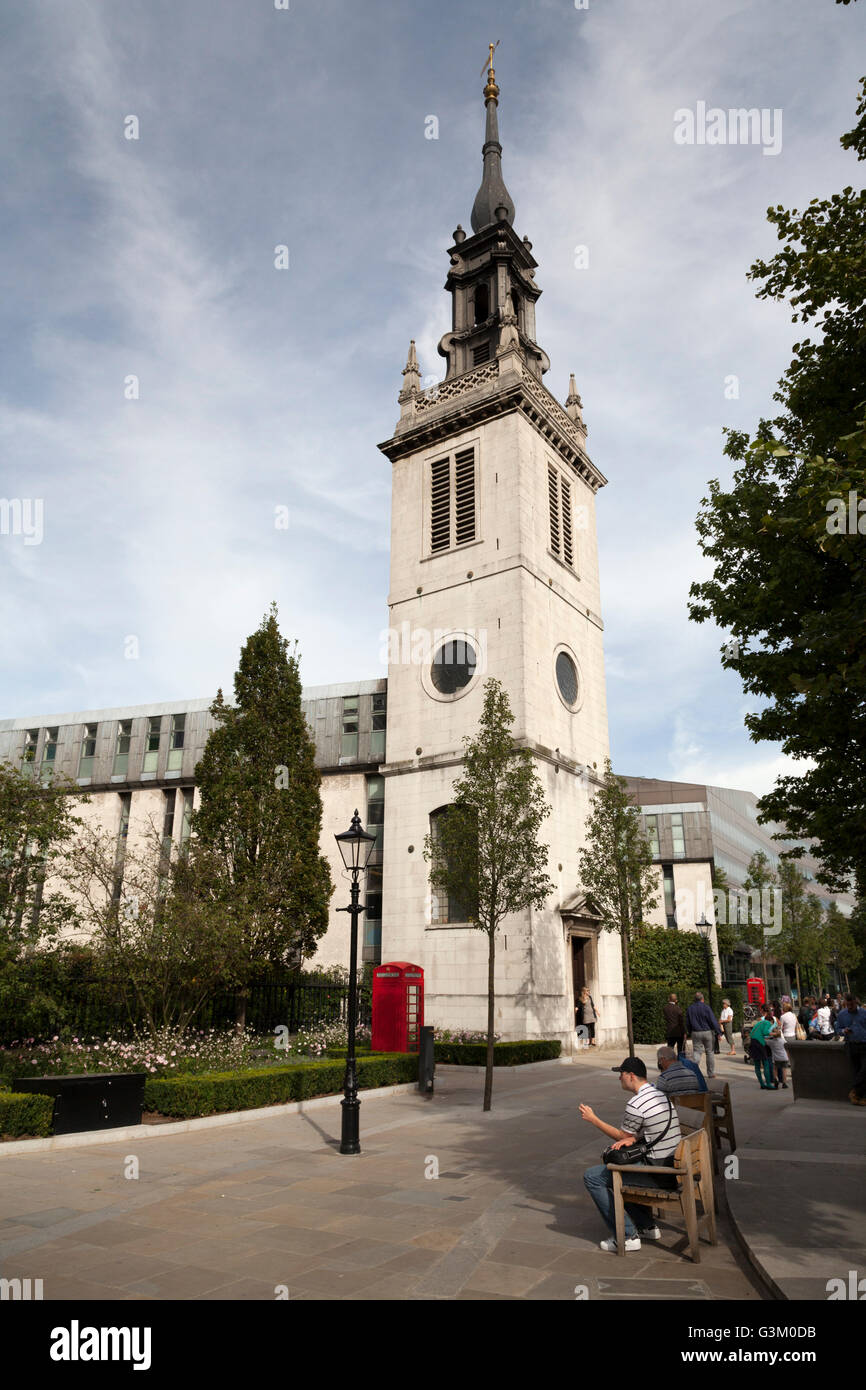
(705, 927)
(356, 846)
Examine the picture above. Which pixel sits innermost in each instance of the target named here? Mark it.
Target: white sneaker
(652, 1234)
(610, 1244)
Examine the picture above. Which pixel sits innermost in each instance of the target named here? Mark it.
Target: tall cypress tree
(255, 836)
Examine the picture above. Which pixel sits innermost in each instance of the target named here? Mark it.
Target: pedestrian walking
(851, 1025)
(703, 1027)
(675, 1025)
(759, 1050)
(726, 1018)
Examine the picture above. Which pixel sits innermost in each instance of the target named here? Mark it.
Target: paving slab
(236, 1212)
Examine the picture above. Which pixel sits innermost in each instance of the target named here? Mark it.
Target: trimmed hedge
(660, 954)
(23, 1116)
(648, 998)
(212, 1093)
(505, 1054)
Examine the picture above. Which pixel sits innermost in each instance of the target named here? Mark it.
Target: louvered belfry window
(452, 501)
(561, 528)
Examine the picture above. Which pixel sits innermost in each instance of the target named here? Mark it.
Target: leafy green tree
(801, 921)
(755, 903)
(727, 934)
(486, 853)
(158, 945)
(37, 825)
(254, 848)
(839, 943)
(789, 581)
(857, 925)
(616, 870)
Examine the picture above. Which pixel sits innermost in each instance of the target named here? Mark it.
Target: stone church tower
(494, 572)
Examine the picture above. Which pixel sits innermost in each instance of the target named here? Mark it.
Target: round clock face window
(566, 678)
(453, 667)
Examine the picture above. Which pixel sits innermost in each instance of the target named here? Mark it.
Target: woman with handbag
(650, 1133)
(586, 1015)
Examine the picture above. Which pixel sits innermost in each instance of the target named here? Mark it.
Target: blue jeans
(599, 1184)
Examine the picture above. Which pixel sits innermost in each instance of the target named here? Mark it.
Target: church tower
(494, 572)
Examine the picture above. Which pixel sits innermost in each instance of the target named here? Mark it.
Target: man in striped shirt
(648, 1115)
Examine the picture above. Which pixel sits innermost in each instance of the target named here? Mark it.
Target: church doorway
(578, 965)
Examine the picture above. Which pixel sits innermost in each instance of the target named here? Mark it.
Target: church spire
(492, 194)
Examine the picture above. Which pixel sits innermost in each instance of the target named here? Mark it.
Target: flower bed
(170, 1052)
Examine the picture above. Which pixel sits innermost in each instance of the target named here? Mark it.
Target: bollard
(426, 1064)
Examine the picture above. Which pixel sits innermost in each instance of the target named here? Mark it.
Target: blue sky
(262, 388)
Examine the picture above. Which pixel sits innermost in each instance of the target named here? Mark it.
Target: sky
(165, 388)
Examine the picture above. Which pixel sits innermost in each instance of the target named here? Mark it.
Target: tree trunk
(799, 991)
(491, 997)
(241, 997)
(626, 982)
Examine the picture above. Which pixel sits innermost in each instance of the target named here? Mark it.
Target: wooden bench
(723, 1113)
(693, 1171)
(714, 1107)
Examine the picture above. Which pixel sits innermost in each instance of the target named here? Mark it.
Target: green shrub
(22, 1116)
(505, 1054)
(218, 1092)
(661, 954)
(648, 998)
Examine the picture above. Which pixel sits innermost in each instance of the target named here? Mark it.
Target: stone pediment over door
(580, 907)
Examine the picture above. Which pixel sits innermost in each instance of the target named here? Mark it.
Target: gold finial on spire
(491, 90)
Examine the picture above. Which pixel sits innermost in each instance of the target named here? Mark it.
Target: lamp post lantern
(705, 928)
(356, 846)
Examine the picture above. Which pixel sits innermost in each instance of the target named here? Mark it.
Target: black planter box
(105, 1100)
(820, 1070)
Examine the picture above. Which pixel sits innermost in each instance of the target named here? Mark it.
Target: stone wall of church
(520, 605)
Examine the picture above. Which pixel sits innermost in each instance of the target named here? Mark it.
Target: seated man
(693, 1066)
(677, 1078)
(651, 1116)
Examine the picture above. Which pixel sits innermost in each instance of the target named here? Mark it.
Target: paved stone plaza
(231, 1212)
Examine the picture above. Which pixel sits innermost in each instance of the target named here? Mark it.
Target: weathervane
(491, 90)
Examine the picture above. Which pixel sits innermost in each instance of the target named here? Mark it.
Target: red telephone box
(398, 1007)
(755, 990)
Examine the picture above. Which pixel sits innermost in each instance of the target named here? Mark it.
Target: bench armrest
(644, 1168)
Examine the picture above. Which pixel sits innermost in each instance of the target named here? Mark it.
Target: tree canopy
(254, 847)
(789, 579)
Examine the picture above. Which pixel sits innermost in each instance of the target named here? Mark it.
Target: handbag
(639, 1151)
(800, 1033)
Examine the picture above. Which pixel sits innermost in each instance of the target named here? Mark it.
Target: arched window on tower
(448, 908)
(482, 303)
(518, 308)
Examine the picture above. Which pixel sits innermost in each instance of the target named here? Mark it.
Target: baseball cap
(632, 1064)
